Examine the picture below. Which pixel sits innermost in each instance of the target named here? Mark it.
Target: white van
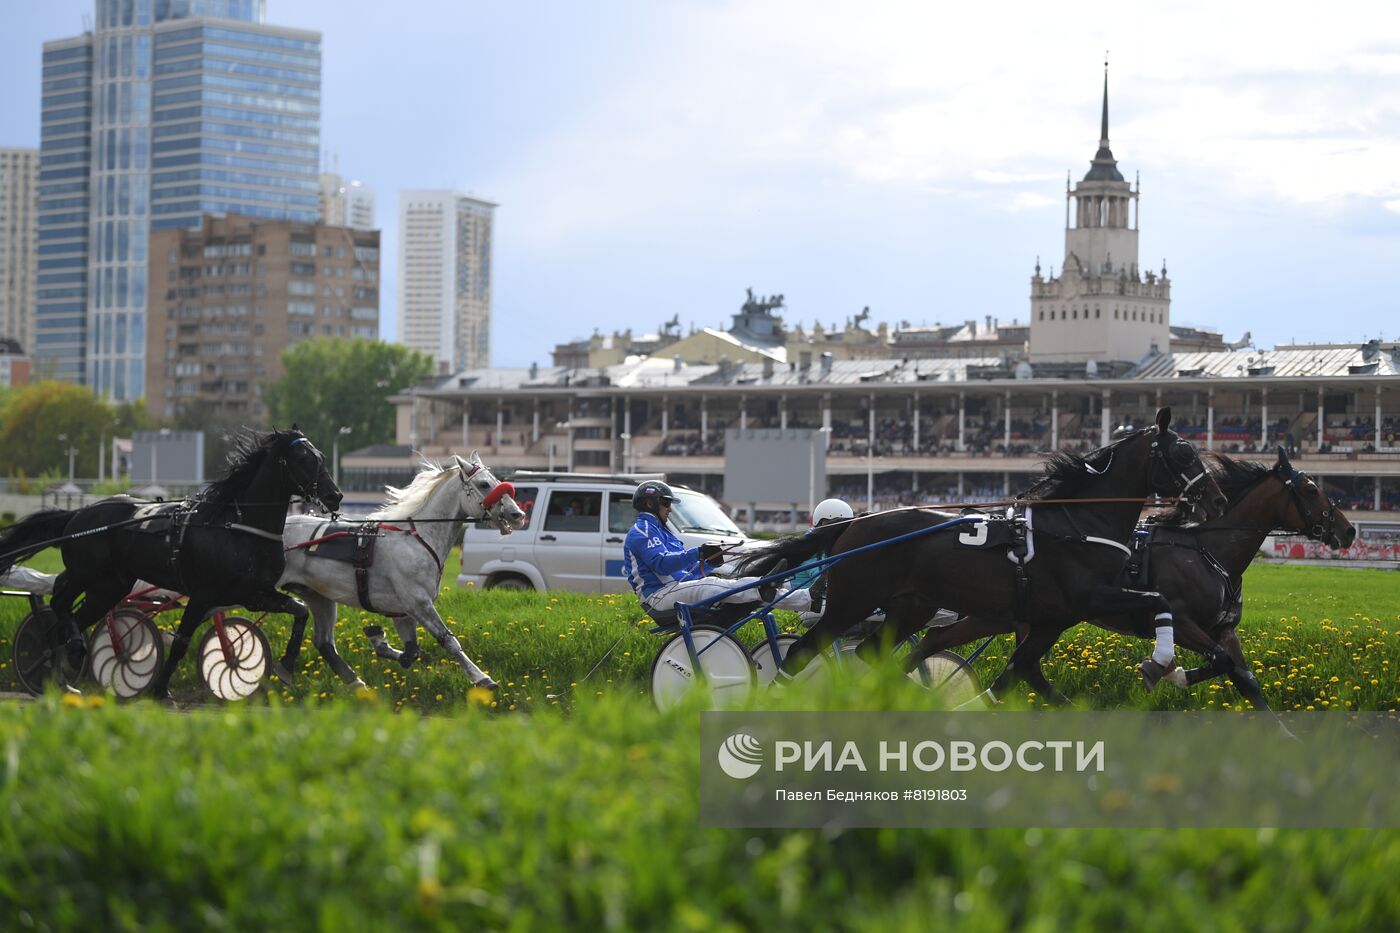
(575, 524)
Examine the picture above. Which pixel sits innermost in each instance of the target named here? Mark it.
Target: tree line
(326, 384)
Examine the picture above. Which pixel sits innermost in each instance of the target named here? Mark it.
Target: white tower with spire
(1101, 306)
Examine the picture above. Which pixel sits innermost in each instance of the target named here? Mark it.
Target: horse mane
(1066, 473)
(247, 452)
(403, 503)
(1234, 477)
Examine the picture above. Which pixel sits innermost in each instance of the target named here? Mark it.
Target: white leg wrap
(1165, 649)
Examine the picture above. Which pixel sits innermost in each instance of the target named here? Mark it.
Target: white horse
(414, 531)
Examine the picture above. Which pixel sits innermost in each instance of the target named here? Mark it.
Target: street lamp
(71, 452)
(344, 430)
(155, 449)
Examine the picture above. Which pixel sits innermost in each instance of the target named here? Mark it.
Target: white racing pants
(693, 591)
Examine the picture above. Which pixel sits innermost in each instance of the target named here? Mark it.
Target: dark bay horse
(1075, 552)
(1199, 569)
(223, 548)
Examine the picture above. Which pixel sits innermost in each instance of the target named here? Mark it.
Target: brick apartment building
(229, 297)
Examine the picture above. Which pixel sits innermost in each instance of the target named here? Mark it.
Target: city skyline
(654, 162)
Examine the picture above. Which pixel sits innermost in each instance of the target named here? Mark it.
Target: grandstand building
(947, 413)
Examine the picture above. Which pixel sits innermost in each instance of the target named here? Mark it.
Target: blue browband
(295, 441)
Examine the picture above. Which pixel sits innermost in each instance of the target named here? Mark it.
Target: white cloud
(751, 101)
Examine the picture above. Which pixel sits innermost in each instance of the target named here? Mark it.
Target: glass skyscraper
(168, 110)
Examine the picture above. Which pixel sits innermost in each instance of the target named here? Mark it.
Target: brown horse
(1073, 552)
(1199, 569)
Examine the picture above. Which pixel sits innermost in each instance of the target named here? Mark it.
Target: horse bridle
(490, 501)
(1167, 458)
(312, 494)
(1292, 478)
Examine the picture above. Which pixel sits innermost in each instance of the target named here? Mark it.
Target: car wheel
(511, 583)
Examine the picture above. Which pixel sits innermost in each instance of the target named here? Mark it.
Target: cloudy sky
(654, 159)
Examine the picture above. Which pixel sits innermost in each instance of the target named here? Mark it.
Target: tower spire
(1104, 167)
(1103, 129)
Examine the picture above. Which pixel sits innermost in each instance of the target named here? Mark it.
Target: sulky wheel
(725, 665)
(238, 674)
(37, 643)
(948, 674)
(765, 665)
(127, 664)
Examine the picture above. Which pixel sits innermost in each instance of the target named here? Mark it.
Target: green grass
(347, 816)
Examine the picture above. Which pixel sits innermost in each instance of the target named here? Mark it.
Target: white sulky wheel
(948, 674)
(251, 656)
(765, 665)
(127, 667)
(726, 668)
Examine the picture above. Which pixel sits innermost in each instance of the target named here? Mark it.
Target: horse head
(1317, 516)
(1177, 470)
(305, 468)
(483, 496)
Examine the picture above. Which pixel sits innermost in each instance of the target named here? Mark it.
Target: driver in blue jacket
(663, 571)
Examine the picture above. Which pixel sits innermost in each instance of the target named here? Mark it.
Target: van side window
(621, 515)
(574, 511)
(525, 498)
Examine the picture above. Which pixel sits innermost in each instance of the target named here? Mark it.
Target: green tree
(328, 384)
(33, 417)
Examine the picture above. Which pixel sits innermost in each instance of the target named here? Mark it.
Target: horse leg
(66, 638)
(1028, 654)
(195, 611)
(903, 617)
(1241, 676)
(274, 601)
(836, 620)
(408, 634)
(425, 614)
(323, 615)
(382, 649)
(965, 630)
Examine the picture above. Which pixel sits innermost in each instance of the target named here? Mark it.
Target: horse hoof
(487, 684)
(281, 673)
(168, 702)
(358, 684)
(1177, 678)
(1152, 673)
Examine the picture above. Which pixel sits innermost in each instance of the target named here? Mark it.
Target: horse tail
(30, 534)
(794, 549)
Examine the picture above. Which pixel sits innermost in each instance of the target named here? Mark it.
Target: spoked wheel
(37, 645)
(765, 665)
(239, 674)
(948, 674)
(726, 668)
(127, 665)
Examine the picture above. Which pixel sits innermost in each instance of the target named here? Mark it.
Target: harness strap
(1109, 541)
(249, 529)
(413, 531)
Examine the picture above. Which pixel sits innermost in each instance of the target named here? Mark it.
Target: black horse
(1200, 568)
(1070, 553)
(223, 548)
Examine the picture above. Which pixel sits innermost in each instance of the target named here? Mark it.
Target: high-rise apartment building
(166, 111)
(227, 298)
(19, 235)
(346, 203)
(444, 289)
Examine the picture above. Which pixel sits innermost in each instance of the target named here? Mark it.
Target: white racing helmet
(831, 510)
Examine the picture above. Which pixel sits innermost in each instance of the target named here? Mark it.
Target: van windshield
(693, 512)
